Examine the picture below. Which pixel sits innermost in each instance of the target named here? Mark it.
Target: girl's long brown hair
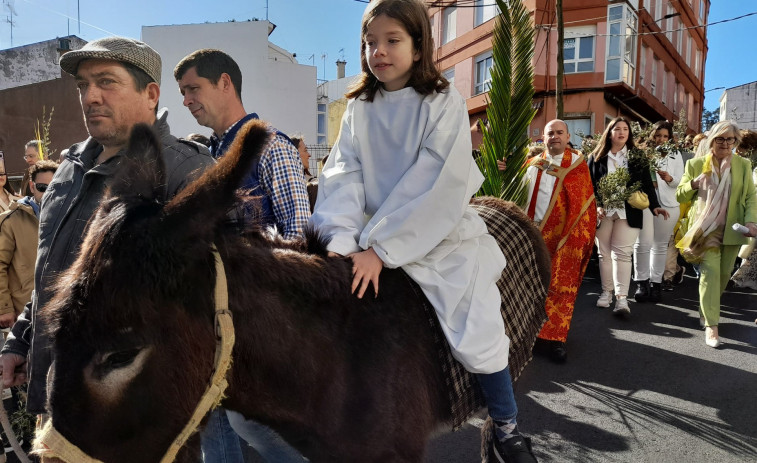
(605, 143)
(413, 15)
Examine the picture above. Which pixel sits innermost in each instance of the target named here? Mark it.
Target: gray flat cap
(120, 49)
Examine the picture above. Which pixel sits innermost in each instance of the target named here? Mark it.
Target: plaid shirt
(281, 175)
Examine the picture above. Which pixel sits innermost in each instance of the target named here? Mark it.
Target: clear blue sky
(317, 27)
(305, 27)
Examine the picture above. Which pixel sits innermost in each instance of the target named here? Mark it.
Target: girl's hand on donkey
(366, 267)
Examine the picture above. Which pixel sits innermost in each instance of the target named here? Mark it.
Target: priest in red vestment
(561, 201)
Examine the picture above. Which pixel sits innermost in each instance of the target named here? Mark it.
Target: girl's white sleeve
(339, 209)
(428, 202)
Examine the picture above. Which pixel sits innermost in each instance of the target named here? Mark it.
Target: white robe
(399, 180)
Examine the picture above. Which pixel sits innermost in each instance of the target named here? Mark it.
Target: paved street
(646, 389)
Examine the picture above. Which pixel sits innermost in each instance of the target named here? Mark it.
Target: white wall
(33, 63)
(281, 92)
(335, 89)
(740, 104)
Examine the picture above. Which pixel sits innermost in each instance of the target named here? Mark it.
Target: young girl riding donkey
(395, 193)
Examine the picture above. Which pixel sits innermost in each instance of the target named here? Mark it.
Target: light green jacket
(742, 202)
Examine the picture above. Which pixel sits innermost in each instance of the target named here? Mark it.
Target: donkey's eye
(121, 359)
(116, 367)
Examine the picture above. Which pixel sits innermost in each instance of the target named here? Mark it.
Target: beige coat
(5, 205)
(18, 253)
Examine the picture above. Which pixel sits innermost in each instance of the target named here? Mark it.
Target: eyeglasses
(2, 174)
(30, 156)
(41, 187)
(723, 141)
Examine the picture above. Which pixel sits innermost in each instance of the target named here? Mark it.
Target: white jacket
(666, 191)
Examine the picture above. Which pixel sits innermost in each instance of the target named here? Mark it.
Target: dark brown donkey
(342, 379)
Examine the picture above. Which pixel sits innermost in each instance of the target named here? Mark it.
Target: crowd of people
(399, 201)
(652, 222)
(715, 189)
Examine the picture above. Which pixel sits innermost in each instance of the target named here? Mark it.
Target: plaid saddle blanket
(523, 296)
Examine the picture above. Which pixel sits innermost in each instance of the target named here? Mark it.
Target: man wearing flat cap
(118, 80)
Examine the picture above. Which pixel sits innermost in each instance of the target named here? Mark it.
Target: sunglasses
(41, 187)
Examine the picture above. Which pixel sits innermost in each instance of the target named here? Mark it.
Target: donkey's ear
(141, 171)
(202, 205)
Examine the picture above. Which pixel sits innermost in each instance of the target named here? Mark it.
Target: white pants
(653, 237)
(615, 241)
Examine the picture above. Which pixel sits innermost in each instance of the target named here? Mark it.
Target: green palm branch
(510, 109)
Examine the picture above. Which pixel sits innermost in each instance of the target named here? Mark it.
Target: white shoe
(711, 336)
(621, 306)
(604, 299)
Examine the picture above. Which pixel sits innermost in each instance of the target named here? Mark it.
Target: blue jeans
(264, 440)
(220, 444)
(498, 392)
(221, 441)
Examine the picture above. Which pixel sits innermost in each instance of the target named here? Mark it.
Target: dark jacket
(635, 217)
(70, 200)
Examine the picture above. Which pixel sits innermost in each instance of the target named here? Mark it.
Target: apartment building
(642, 59)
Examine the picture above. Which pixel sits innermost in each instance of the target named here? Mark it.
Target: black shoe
(541, 347)
(557, 351)
(678, 277)
(514, 450)
(642, 291)
(655, 293)
(667, 285)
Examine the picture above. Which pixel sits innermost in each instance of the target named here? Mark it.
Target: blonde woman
(724, 194)
(7, 194)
